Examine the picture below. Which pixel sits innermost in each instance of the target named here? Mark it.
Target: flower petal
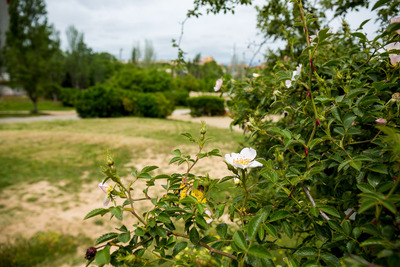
(248, 153)
(103, 187)
(288, 83)
(106, 201)
(254, 164)
(229, 159)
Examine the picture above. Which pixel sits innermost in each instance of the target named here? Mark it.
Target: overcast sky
(116, 26)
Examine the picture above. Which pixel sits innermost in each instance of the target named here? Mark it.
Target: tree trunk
(35, 109)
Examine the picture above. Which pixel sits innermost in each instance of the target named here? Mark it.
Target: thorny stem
(212, 250)
(313, 202)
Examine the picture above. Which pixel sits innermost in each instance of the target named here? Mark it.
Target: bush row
(101, 101)
(206, 105)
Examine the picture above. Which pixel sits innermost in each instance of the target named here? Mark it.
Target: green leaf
(103, 256)
(259, 252)
(374, 241)
(179, 247)
(144, 175)
(163, 217)
(270, 229)
(330, 259)
(379, 168)
(356, 164)
(335, 226)
(106, 237)
(240, 240)
(124, 237)
(161, 232)
(346, 228)
(330, 210)
(149, 169)
(287, 228)
(366, 188)
(194, 236)
(306, 252)
(390, 206)
(222, 229)
(201, 222)
(253, 226)
(219, 211)
(96, 212)
(279, 215)
(379, 4)
(117, 212)
(366, 205)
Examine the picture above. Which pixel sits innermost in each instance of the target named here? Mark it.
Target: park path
(179, 114)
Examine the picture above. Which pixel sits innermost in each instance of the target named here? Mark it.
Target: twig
(207, 246)
(313, 203)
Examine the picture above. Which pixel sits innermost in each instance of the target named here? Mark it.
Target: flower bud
(90, 253)
(381, 121)
(317, 122)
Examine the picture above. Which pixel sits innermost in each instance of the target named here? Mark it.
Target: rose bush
(324, 188)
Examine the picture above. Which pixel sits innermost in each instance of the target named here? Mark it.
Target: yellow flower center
(242, 161)
(396, 96)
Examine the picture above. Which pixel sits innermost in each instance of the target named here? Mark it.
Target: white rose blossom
(106, 188)
(208, 217)
(297, 72)
(243, 160)
(394, 58)
(255, 75)
(218, 85)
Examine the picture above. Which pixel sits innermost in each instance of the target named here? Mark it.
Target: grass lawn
(22, 103)
(50, 171)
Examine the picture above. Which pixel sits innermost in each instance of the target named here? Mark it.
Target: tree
(149, 54)
(30, 46)
(136, 54)
(78, 59)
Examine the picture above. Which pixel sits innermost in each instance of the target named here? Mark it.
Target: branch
(313, 203)
(207, 246)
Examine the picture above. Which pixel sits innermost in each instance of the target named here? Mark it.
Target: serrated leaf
(222, 229)
(253, 226)
(201, 222)
(366, 205)
(259, 252)
(124, 237)
(163, 217)
(106, 237)
(366, 188)
(379, 168)
(117, 212)
(179, 247)
(271, 230)
(390, 206)
(287, 228)
(279, 215)
(96, 212)
(149, 169)
(330, 210)
(330, 259)
(219, 211)
(103, 256)
(306, 252)
(240, 240)
(194, 236)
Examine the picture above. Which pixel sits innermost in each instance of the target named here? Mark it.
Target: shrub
(206, 105)
(100, 101)
(154, 105)
(35, 250)
(67, 96)
(179, 97)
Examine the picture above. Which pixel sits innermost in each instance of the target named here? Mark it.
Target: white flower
(236, 181)
(106, 188)
(395, 20)
(218, 85)
(394, 59)
(208, 218)
(255, 75)
(352, 216)
(297, 72)
(243, 160)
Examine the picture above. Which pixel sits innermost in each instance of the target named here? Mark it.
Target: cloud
(113, 25)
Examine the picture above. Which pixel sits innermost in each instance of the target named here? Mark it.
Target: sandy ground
(30, 208)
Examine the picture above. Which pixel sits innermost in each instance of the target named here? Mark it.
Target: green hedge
(206, 105)
(101, 101)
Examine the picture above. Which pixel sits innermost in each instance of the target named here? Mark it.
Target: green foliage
(40, 248)
(327, 190)
(99, 101)
(31, 44)
(206, 105)
(154, 105)
(67, 96)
